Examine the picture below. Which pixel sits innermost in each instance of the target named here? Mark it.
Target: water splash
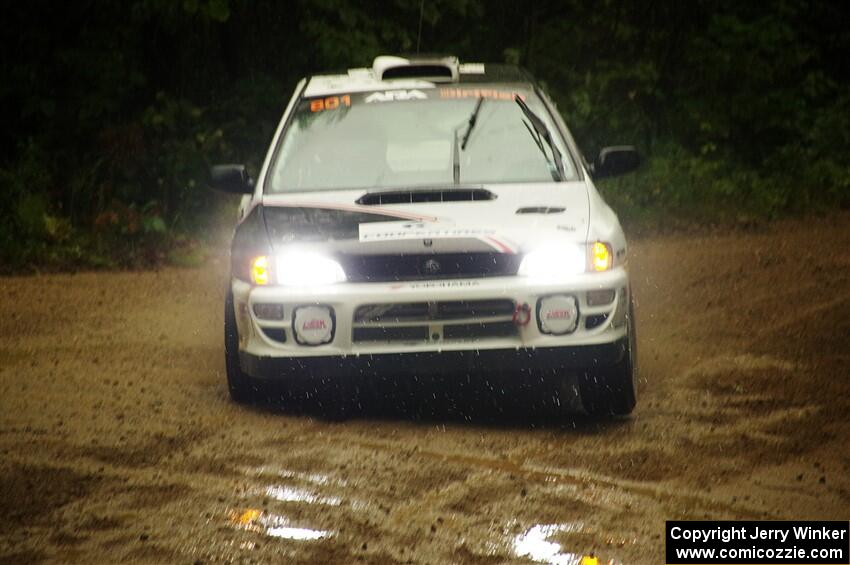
(534, 543)
(274, 525)
(285, 493)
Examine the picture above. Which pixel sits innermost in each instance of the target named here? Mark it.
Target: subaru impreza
(424, 215)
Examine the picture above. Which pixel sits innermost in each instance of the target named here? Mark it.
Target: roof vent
(432, 69)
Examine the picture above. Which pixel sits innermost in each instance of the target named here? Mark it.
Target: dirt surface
(118, 441)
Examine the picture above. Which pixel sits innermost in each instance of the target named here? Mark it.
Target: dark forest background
(113, 110)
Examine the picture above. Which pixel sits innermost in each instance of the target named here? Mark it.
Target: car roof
(367, 79)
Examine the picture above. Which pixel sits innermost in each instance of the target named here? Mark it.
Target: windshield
(398, 138)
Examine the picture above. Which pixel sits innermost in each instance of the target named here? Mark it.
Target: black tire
(613, 391)
(239, 384)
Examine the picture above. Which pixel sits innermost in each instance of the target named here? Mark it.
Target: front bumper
(551, 360)
(269, 348)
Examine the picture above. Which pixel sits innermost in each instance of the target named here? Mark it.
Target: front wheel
(238, 383)
(613, 390)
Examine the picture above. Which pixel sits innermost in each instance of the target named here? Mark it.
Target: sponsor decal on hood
(399, 231)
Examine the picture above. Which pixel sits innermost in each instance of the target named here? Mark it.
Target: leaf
(218, 10)
(154, 224)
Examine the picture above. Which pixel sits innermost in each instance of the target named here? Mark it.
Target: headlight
(303, 268)
(296, 268)
(554, 261)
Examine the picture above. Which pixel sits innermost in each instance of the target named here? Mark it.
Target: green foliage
(113, 112)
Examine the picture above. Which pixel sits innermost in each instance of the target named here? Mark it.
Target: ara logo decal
(393, 95)
(559, 315)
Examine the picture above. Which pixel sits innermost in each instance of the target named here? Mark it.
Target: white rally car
(427, 216)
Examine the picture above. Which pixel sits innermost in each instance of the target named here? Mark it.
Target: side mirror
(613, 161)
(231, 178)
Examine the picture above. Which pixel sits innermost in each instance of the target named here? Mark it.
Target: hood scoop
(428, 195)
(540, 210)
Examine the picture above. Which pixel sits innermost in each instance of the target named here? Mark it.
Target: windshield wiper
(455, 158)
(473, 118)
(543, 133)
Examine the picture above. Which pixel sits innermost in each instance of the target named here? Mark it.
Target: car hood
(505, 218)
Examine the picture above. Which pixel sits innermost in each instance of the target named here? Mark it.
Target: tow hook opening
(522, 314)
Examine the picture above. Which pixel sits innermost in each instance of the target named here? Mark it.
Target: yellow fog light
(600, 256)
(260, 270)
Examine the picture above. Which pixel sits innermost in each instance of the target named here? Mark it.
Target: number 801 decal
(329, 103)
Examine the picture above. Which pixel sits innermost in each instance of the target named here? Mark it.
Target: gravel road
(118, 441)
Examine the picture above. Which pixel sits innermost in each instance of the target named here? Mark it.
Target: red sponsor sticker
(316, 324)
(490, 93)
(329, 103)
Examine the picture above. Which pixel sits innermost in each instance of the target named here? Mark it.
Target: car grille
(426, 311)
(390, 268)
(434, 321)
(471, 331)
